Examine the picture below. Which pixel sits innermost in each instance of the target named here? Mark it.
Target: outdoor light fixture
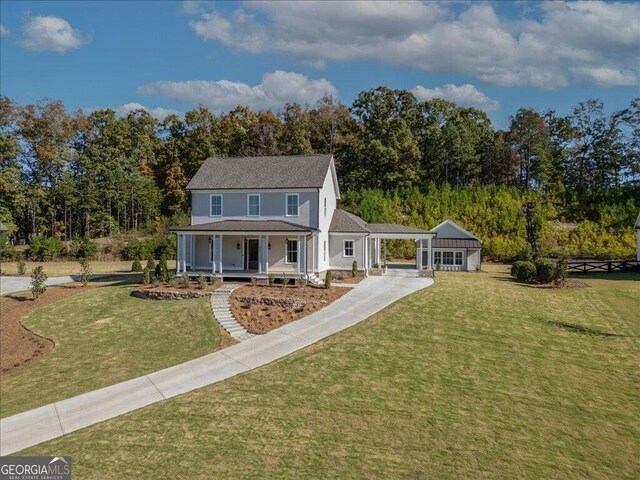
(238, 246)
(269, 245)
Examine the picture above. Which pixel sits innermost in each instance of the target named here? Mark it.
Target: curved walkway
(54, 420)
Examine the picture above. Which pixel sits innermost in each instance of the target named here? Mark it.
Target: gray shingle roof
(343, 221)
(637, 225)
(293, 171)
(245, 226)
(456, 243)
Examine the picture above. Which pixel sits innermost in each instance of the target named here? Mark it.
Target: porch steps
(222, 312)
(315, 280)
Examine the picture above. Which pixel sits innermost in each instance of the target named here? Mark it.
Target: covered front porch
(222, 250)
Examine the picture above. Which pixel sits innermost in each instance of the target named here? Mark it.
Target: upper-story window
(253, 205)
(215, 206)
(292, 204)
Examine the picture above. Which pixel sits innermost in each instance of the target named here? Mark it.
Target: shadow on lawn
(572, 327)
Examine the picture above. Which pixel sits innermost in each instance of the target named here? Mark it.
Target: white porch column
(178, 237)
(378, 257)
(266, 255)
(192, 257)
(212, 253)
(219, 253)
(262, 246)
(298, 263)
(419, 254)
(184, 253)
(430, 259)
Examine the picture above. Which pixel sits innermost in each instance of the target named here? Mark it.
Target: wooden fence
(607, 266)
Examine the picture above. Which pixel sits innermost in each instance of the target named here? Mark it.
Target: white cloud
(592, 43)
(158, 112)
(465, 95)
(51, 34)
(3, 31)
(276, 89)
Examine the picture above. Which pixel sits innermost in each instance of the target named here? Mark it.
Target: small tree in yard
(151, 265)
(162, 271)
(354, 269)
(186, 283)
(85, 272)
(136, 266)
(38, 282)
(213, 279)
(561, 272)
(202, 282)
(327, 279)
(146, 276)
(22, 267)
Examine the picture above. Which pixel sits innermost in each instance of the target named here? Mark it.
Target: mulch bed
(341, 277)
(19, 346)
(259, 318)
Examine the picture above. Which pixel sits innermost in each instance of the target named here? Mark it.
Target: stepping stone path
(222, 312)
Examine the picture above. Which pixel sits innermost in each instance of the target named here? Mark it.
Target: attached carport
(380, 232)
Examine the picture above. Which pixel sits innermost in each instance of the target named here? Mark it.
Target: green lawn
(476, 377)
(61, 268)
(105, 336)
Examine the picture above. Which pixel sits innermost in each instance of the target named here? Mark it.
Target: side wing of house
(328, 197)
(455, 248)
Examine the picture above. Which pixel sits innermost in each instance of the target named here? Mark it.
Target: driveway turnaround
(54, 420)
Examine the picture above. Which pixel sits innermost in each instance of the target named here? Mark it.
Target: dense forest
(550, 184)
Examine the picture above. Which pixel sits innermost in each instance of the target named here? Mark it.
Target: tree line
(97, 174)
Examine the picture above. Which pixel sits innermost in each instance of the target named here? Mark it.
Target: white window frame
(286, 251)
(211, 206)
(454, 253)
(344, 248)
(286, 205)
(249, 195)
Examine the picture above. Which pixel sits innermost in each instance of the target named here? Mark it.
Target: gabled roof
(637, 225)
(345, 222)
(456, 226)
(245, 226)
(290, 171)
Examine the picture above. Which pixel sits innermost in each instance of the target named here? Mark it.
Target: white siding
(329, 193)
(449, 231)
(272, 206)
(337, 260)
(473, 260)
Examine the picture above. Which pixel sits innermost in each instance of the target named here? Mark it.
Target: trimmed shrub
(151, 266)
(213, 279)
(38, 282)
(302, 281)
(146, 276)
(271, 279)
(354, 269)
(161, 270)
(201, 281)
(186, 283)
(545, 270)
(85, 272)
(526, 272)
(22, 267)
(328, 278)
(136, 266)
(561, 272)
(515, 267)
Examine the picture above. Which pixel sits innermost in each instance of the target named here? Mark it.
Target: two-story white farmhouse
(255, 215)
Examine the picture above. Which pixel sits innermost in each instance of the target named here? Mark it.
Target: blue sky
(172, 56)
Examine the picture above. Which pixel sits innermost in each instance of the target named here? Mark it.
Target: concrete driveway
(56, 419)
(10, 284)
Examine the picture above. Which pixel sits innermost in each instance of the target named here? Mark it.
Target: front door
(252, 254)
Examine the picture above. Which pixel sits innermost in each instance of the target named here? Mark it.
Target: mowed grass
(105, 336)
(57, 269)
(475, 377)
